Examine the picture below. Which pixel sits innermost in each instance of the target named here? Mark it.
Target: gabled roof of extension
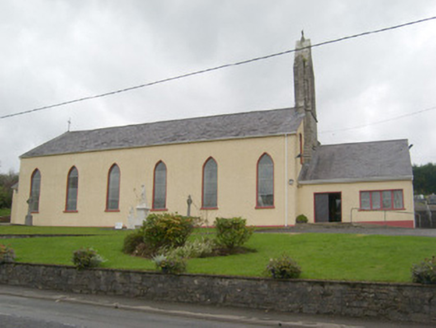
(221, 127)
(353, 162)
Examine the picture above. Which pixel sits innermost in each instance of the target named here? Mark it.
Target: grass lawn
(321, 256)
(328, 256)
(5, 211)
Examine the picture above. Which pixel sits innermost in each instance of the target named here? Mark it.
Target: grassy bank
(5, 212)
(321, 256)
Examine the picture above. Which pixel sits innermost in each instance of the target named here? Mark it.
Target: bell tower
(304, 92)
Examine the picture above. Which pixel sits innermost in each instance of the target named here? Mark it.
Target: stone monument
(189, 202)
(142, 209)
(29, 217)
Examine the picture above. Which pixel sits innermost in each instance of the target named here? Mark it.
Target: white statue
(142, 209)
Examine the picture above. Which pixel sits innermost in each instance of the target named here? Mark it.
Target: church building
(265, 166)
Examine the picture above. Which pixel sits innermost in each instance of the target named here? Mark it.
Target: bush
(132, 240)
(143, 250)
(7, 254)
(193, 249)
(301, 219)
(86, 258)
(425, 272)
(283, 267)
(232, 233)
(170, 264)
(166, 230)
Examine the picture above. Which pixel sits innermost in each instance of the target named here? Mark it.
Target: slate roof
(231, 126)
(365, 161)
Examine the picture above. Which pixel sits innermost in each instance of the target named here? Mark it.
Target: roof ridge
(364, 142)
(184, 119)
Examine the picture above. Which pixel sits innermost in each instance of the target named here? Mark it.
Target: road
(18, 312)
(23, 307)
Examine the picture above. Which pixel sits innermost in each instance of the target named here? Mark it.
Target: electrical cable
(380, 122)
(217, 68)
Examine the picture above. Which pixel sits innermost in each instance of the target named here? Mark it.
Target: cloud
(59, 51)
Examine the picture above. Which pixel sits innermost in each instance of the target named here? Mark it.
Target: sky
(376, 87)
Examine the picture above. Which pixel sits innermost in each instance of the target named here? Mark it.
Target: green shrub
(193, 249)
(5, 211)
(232, 233)
(425, 272)
(143, 250)
(283, 267)
(7, 254)
(170, 264)
(86, 258)
(301, 219)
(166, 230)
(132, 240)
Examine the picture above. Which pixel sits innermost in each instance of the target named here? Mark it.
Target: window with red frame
(381, 200)
(35, 191)
(72, 190)
(113, 189)
(160, 186)
(210, 184)
(265, 182)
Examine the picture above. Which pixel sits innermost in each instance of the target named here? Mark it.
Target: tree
(424, 179)
(6, 183)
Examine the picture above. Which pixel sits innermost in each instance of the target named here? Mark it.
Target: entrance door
(328, 207)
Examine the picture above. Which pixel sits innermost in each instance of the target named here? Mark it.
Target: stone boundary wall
(401, 302)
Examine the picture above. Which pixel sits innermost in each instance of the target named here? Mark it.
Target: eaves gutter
(355, 180)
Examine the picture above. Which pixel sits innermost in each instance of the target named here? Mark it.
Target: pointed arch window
(35, 191)
(210, 184)
(160, 187)
(72, 190)
(113, 189)
(265, 182)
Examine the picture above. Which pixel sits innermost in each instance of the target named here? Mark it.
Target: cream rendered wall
(350, 193)
(237, 160)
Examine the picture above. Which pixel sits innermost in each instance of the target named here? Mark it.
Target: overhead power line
(380, 122)
(217, 68)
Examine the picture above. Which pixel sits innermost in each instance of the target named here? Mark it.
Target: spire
(304, 92)
(304, 79)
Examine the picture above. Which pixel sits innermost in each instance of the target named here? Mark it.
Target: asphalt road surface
(25, 307)
(17, 312)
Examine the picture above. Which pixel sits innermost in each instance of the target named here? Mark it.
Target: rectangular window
(387, 199)
(376, 197)
(381, 200)
(365, 200)
(398, 199)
